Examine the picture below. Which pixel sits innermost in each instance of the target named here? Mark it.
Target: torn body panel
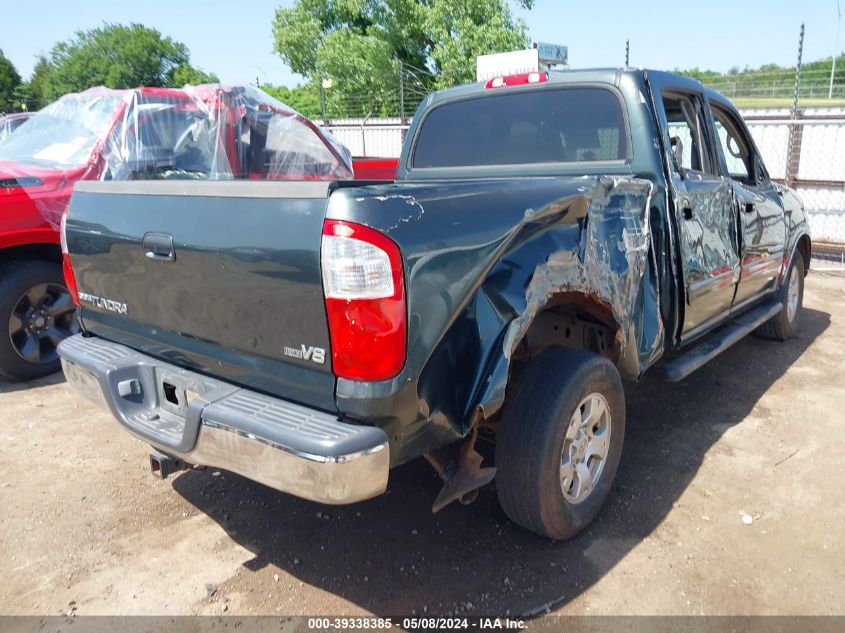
(476, 292)
(608, 266)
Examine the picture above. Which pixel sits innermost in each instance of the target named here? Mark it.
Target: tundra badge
(105, 304)
(315, 354)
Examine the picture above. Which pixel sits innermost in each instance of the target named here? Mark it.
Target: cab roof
(608, 75)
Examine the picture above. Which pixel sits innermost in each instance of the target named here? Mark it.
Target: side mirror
(677, 154)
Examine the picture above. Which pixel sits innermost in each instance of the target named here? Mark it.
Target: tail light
(364, 287)
(70, 279)
(517, 80)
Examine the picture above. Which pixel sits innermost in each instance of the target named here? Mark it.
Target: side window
(735, 147)
(687, 132)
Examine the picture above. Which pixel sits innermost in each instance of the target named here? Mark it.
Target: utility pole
(627, 52)
(835, 51)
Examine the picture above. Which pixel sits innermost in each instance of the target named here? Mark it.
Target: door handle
(159, 246)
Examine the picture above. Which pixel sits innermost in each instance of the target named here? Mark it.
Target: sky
(233, 38)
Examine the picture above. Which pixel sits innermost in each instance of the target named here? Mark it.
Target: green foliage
(362, 45)
(22, 97)
(464, 30)
(771, 81)
(9, 81)
(188, 75)
(304, 99)
(36, 83)
(117, 56)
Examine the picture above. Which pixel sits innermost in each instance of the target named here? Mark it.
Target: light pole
(835, 51)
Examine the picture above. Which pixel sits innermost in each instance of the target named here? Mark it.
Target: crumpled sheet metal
(210, 132)
(475, 288)
(609, 266)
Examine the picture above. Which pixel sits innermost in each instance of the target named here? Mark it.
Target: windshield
(162, 137)
(9, 125)
(63, 134)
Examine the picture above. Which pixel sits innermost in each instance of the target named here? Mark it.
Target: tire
(532, 468)
(785, 324)
(36, 313)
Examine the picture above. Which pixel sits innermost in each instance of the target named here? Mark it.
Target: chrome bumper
(201, 420)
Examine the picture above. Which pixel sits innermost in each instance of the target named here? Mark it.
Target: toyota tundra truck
(547, 236)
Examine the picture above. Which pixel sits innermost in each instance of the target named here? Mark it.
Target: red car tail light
(517, 80)
(364, 287)
(70, 279)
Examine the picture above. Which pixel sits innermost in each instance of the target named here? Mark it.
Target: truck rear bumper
(201, 420)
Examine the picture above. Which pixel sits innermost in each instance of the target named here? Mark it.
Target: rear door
(223, 277)
(704, 208)
(762, 233)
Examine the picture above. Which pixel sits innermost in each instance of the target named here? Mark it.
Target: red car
(204, 132)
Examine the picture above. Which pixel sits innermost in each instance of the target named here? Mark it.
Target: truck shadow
(10, 386)
(391, 556)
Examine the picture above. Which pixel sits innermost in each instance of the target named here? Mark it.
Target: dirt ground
(85, 529)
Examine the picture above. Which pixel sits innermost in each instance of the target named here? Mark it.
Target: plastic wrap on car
(271, 140)
(208, 132)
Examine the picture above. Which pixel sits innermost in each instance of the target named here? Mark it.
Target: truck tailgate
(222, 277)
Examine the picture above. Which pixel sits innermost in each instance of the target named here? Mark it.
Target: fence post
(793, 151)
(401, 91)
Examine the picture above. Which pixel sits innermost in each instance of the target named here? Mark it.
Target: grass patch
(747, 103)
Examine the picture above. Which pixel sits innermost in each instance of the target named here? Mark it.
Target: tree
(464, 30)
(360, 45)
(23, 98)
(305, 99)
(36, 82)
(188, 75)
(117, 56)
(9, 80)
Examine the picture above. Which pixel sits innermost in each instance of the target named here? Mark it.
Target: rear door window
(687, 132)
(539, 126)
(736, 148)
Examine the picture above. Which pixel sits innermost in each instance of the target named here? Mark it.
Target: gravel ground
(729, 500)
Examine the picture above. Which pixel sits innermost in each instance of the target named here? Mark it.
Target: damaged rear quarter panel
(481, 259)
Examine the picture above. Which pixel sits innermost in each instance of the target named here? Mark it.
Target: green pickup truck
(547, 236)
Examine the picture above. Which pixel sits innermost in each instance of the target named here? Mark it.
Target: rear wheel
(791, 295)
(560, 443)
(36, 313)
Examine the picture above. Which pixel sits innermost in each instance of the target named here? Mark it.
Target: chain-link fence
(819, 86)
(807, 152)
(381, 137)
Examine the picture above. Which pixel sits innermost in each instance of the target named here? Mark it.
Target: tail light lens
(364, 286)
(70, 279)
(517, 80)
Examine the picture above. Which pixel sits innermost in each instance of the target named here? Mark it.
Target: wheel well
(805, 248)
(45, 252)
(576, 321)
(570, 319)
